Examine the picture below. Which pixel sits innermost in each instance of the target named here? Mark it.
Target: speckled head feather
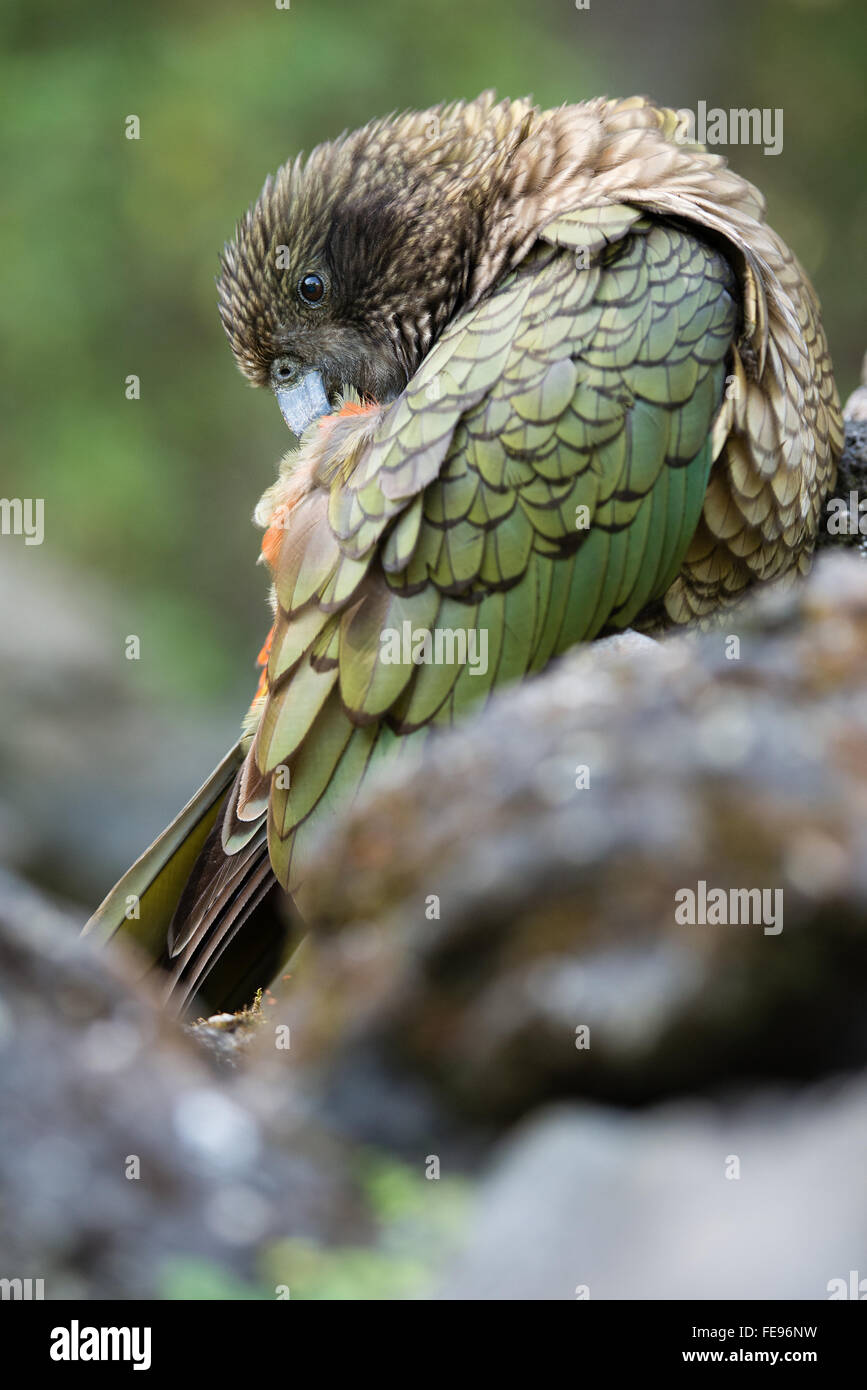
(395, 217)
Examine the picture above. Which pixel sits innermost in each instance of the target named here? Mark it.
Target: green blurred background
(110, 249)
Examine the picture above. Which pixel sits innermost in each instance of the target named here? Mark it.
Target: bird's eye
(311, 289)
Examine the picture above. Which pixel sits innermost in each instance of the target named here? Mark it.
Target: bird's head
(351, 262)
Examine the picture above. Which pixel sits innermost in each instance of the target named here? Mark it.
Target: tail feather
(215, 878)
(185, 900)
(218, 951)
(142, 905)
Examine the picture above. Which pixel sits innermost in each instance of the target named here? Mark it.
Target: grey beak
(303, 403)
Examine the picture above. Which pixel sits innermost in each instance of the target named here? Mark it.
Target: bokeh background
(110, 249)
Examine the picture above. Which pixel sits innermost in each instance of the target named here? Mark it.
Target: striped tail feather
(185, 877)
(207, 957)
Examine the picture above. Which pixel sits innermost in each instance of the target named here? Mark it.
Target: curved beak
(303, 403)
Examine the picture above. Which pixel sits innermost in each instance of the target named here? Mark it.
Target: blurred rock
(227, 1037)
(557, 905)
(95, 757)
(501, 935)
(763, 1201)
(851, 479)
(92, 1079)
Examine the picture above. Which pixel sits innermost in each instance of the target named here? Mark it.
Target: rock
(97, 757)
(487, 911)
(851, 478)
(851, 485)
(96, 1087)
(765, 1200)
(497, 984)
(227, 1037)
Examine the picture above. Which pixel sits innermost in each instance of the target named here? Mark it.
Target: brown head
(351, 262)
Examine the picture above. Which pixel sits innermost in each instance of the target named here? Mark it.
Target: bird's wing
(590, 379)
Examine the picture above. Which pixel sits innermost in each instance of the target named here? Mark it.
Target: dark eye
(311, 288)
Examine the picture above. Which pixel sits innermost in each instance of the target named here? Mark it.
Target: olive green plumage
(581, 404)
(539, 481)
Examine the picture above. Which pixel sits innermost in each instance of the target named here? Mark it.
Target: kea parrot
(552, 375)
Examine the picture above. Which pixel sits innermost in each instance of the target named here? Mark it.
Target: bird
(551, 375)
